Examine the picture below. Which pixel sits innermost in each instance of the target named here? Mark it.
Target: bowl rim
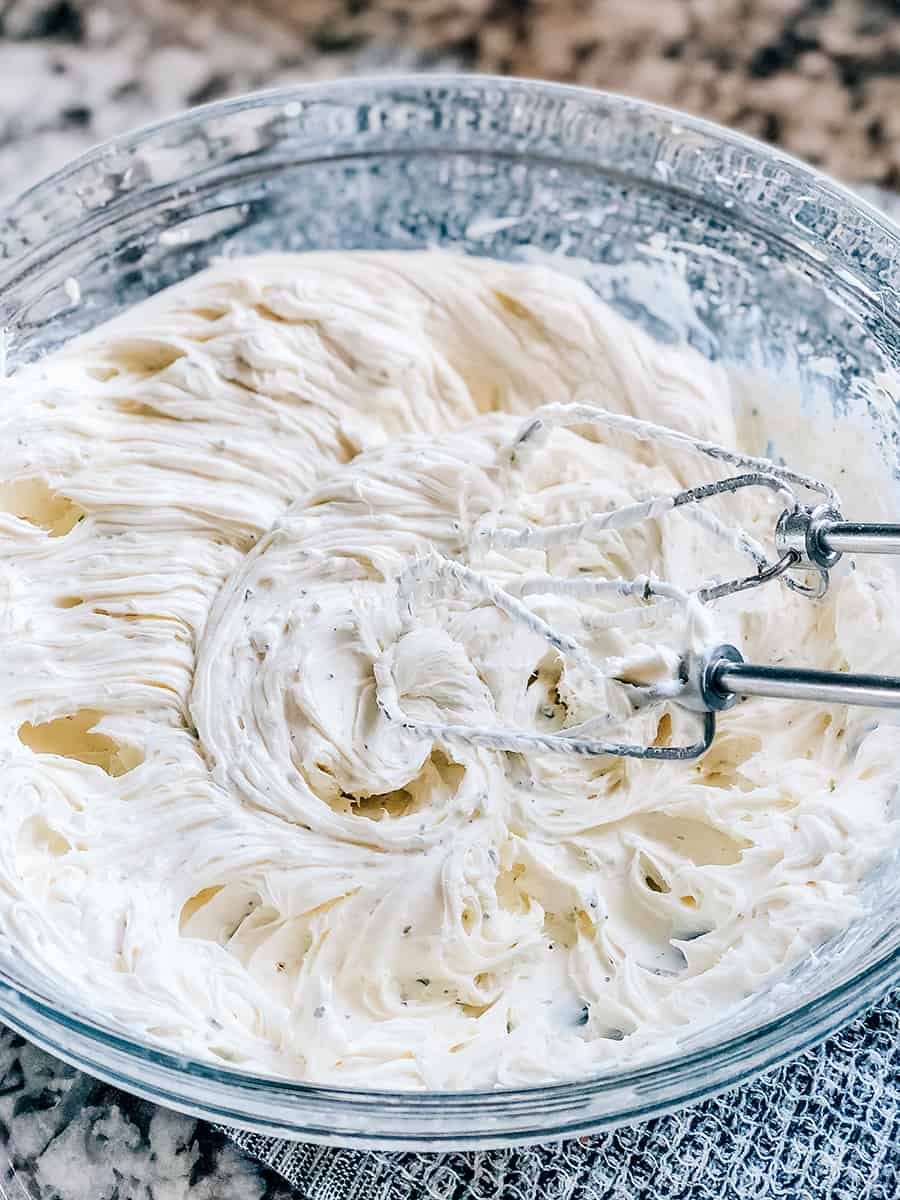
(425, 81)
(848, 997)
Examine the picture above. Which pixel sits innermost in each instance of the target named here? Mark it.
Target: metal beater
(809, 539)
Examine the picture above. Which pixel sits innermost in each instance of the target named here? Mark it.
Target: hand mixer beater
(809, 539)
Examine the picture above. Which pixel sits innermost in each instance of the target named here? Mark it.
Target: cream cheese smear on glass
(214, 835)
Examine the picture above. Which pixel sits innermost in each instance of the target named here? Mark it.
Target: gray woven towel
(824, 1127)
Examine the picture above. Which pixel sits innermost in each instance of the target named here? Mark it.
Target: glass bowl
(690, 230)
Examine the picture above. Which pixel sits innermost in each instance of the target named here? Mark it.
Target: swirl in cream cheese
(214, 834)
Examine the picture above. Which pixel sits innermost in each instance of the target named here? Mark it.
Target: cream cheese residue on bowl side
(211, 832)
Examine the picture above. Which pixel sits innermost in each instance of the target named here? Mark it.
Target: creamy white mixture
(210, 830)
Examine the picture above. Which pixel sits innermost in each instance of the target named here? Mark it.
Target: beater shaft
(820, 536)
(726, 678)
(851, 537)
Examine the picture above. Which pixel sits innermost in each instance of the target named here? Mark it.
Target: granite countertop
(821, 77)
(64, 1136)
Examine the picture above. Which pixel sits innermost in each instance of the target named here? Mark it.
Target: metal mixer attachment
(809, 540)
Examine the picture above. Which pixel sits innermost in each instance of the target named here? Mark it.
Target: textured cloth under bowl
(824, 1127)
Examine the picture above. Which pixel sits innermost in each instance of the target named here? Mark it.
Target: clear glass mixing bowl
(774, 265)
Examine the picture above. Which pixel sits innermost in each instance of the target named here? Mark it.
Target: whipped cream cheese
(217, 514)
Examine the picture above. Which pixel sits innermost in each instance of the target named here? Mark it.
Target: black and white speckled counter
(64, 1136)
(819, 77)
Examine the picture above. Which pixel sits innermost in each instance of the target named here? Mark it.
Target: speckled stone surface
(64, 1136)
(821, 77)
